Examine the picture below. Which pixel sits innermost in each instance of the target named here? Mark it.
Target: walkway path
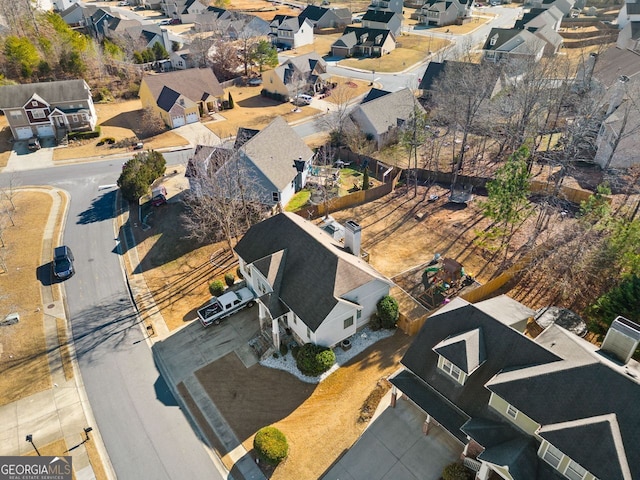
(62, 412)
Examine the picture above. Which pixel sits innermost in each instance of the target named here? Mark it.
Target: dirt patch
(24, 369)
(119, 120)
(319, 421)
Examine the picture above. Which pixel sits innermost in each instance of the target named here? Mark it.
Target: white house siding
(304, 36)
(332, 331)
(287, 194)
(368, 296)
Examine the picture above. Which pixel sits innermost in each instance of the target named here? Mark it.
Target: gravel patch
(359, 342)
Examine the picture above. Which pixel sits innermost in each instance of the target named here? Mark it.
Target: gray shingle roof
(368, 36)
(194, 83)
(266, 150)
(14, 96)
(465, 350)
(383, 113)
(317, 270)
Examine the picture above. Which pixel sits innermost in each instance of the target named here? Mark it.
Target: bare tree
(225, 198)
(224, 59)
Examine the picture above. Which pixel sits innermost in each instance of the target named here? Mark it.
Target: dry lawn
(319, 421)
(6, 141)
(119, 120)
(321, 44)
(411, 50)
(24, 369)
(263, 8)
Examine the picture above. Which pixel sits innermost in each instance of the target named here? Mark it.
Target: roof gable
(385, 112)
(465, 350)
(317, 270)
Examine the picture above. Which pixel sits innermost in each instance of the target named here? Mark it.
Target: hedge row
(80, 135)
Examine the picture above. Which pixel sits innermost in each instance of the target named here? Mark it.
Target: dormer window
(450, 369)
(493, 40)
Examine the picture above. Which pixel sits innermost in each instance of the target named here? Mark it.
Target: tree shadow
(101, 209)
(257, 101)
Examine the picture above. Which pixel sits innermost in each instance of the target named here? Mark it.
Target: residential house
(302, 74)
(191, 9)
(440, 13)
(547, 408)
(290, 32)
(365, 42)
(615, 73)
(512, 43)
(470, 70)
(383, 20)
(382, 118)
(395, 6)
(74, 15)
(182, 59)
(322, 17)
(146, 36)
(183, 96)
(308, 283)
(544, 24)
(62, 5)
(629, 12)
(48, 109)
(275, 173)
(231, 24)
(629, 36)
(564, 6)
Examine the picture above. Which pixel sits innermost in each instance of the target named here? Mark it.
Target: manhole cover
(51, 305)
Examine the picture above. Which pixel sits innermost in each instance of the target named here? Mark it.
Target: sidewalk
(62, 412)
(187, 391)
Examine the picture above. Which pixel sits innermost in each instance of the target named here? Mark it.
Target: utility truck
(219, 308)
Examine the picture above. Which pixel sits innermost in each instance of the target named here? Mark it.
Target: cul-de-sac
(332, 239)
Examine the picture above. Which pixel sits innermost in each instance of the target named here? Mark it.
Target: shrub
(456, 471)
(283, 349)
(216, 288)
(388, 311)
(84, 135)
(375, 324)
(294, 351)
(229, 279)
(271, 445)
(314, 359)
(239, 273)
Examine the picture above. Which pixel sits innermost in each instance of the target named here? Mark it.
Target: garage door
(23, 133)
(45, 131)
(192, 117)
(177, 121)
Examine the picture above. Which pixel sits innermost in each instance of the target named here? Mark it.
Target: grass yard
(24, 369)
(118, 120)
(299, 200)
(411, 50)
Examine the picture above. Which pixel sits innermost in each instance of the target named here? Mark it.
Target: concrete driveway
(197, 134)
(393, 447)
(22, 158)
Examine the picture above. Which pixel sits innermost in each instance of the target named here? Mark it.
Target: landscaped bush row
(108, 140)
(82, 135)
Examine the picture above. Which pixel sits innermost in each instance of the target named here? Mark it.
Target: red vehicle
(158, 196)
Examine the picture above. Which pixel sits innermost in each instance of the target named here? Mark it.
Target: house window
(38, 113)
(308, 332)
(575, 471)
(275, 196)
(348, 322)
(512, 412)
(295, 320)
(358, 314)
(493, 41)
(552, 456)
(453, 371)
(74, 117)
(15, 113)
(34, 104)
(84, 117)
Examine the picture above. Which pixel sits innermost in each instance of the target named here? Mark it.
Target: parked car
(63, 262)
(33, 144)
(175, 21)
(138, 146)
(158, 196)
(165, 22)
(356, 20)
(254, 82)
(302, 99)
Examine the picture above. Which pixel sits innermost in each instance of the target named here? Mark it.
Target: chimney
(352, 237)
(617, 94)
(622, 339)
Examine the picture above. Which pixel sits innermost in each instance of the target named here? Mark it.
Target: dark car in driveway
(63, 262)
(33, 144)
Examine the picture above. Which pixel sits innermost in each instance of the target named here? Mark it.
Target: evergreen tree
(365, 179)
(265, 54)
(231, 104)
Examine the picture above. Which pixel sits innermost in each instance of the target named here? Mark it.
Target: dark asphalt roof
(167, 98)
(314, 272)
(465, 350)
(373, 94)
